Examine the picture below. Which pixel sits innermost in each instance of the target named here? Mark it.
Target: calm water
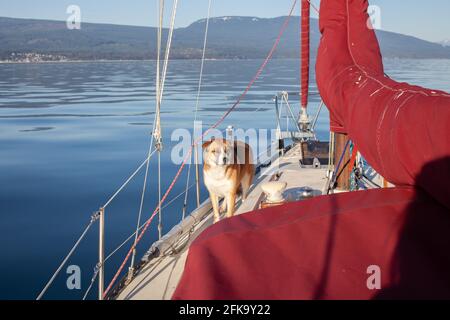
(70, 134)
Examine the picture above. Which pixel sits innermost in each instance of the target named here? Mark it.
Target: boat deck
(158, 279)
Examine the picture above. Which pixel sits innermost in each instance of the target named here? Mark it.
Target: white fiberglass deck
(159, 278)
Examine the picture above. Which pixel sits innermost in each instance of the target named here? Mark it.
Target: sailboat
(363, 216)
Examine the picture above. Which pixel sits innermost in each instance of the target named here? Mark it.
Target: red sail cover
(399, 128)
(377, 244)
(324, 249)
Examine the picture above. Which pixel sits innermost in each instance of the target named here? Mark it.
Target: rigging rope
(158, 131)
(94, 218)
(200, 80)
(167, 53)
(186, 196)
(159, 198)
(157, 119)
(94, 277)
(144, 189)
(313, 6)
(128, 180)
(189, 154)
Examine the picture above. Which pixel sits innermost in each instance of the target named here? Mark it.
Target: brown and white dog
(228, 169)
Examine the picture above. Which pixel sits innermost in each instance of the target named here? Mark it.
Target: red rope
(188, 156)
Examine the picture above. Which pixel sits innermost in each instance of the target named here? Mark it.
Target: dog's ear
(206, 145)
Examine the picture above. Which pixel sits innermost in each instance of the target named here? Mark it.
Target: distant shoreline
(154, 60)
(125, 60)
(233, 38)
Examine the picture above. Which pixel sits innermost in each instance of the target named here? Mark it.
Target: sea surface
(71, 133)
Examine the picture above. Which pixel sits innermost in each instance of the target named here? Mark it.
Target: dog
(228, 169)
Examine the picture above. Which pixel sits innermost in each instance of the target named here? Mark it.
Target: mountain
(445, 43)
(229, 37)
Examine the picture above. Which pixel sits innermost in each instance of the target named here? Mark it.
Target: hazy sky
(428, 19)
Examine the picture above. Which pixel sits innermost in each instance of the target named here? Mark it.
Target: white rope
(158, 131)
(157, 128)
(168, 48)
(157, 115)
(142, 225)
(197, 104)
(159, 197)
(188, 180)
(205, 42)
(94, 277)
(158, 60)
(161, 78)
(94, 218)
(128, 180)
(144, 190)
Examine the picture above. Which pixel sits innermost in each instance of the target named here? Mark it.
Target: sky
(429, 20)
